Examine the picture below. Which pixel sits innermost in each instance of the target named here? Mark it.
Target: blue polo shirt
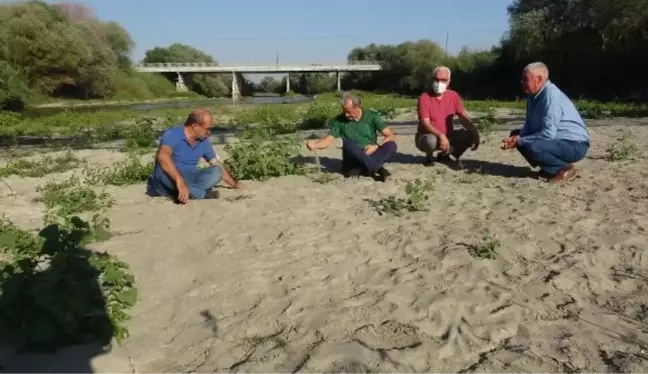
(552, 115)
(184, 155)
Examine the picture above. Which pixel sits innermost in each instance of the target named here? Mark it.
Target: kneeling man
(554, 135)
(358, 128)
(176, 172)
(435, 129)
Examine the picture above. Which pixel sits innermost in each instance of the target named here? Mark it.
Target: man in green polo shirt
(362, 154)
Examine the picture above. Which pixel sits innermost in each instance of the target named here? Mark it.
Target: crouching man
(554, 135)
(361, 152)
(176, 173)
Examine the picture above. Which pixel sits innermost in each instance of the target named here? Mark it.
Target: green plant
(141, 135)
(488, 123)
(71, 197)
(261, 154)
(43, 166)
(130, 171)
(624, 149)
(56, 293)
(487, 249)
(417, 192)
(318, 114)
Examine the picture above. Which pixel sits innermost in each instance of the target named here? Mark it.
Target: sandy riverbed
(295, 275)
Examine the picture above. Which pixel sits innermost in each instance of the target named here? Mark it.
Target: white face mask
(439, 87)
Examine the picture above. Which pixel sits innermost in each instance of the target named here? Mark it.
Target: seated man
(554, 135)
(358, 128)
(435, 130)
(176, 172)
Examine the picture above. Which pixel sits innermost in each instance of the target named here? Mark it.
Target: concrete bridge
(184, 70)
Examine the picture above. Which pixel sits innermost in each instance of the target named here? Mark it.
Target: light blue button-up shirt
(552, 115)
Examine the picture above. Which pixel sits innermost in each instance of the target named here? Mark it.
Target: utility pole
(277, 59)
(446, 43)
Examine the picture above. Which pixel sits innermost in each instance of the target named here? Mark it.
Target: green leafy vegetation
(65, 51)
(623, 149)
(417, 196)
(487, 249)
(40, 167)
(262, 153)
(53, 291)
(130, 171)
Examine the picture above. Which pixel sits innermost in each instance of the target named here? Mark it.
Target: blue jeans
(199, 181)
(552, 155)
(354, 156)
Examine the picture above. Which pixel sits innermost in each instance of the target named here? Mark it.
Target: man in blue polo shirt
(176, 172)
(554, 135)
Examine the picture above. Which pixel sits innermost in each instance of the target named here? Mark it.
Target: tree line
(594, 48)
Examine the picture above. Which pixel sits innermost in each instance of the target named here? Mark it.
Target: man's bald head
(201, 117)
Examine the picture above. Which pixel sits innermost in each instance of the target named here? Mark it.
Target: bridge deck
(258, 67)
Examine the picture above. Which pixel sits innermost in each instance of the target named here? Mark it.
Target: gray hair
(538, 68)
(444, 68)
(355, 99)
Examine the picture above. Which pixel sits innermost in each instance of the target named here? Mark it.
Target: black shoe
(212, 194)
(443, 158)
(383, 174)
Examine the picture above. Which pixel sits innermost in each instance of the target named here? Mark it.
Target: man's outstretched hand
(510, 142)
(183, 192)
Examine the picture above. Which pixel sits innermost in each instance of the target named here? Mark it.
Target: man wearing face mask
(176, 172)
(435, 129)
(554, 135)
(362, 153)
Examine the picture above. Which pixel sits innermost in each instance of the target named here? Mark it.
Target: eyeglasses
(444, 80)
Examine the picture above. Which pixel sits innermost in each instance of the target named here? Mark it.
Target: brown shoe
(567, 173)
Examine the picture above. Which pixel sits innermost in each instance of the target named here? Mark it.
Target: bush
(261, 154)
(56, 293)
(318, 114)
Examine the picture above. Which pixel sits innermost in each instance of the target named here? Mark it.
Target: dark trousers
(354, 157)
(552, 155)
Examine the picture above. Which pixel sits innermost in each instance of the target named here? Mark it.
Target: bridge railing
(211, 64)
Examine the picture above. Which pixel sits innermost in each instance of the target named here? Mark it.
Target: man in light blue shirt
(176, 173)
(554, 135)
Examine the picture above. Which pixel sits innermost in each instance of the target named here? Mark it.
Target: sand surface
(292, 275)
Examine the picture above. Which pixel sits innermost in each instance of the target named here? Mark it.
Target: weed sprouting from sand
(624, 149)
(322, 178)
(487, 249)
(71, 197)
(417, 196)
(488, 123)
(41, 167)
(130, 171)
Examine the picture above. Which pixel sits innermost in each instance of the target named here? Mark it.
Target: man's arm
(467, 124)
(552, 113)
(166, 162)
(321, 143)
(388, 135)
(227, 177)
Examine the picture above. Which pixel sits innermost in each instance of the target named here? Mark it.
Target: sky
(302, 31)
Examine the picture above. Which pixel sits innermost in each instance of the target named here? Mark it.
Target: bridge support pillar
(180, 84)
(236, 88)
(287, 82)
(339, 81)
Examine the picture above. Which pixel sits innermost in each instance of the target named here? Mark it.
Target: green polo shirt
(364, 131)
